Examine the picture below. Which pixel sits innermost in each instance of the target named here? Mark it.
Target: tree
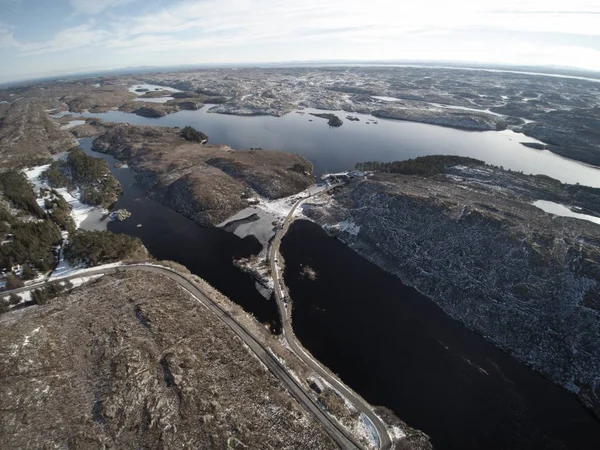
(100, 247)
(14, 299)
(39, 296)
(28, 272)
(13, 282)
(191, 134)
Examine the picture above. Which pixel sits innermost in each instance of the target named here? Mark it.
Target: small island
(333, 120)
(309, 272)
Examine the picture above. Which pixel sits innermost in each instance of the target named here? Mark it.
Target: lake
(337, 149)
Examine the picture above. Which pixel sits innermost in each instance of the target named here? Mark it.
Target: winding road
(289, 336)
(338, 433)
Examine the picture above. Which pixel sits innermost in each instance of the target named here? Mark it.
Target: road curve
(331, 427)
(385, 442)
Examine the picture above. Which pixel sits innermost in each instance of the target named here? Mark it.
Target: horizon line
(546, 70)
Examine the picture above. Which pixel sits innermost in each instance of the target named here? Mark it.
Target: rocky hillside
(207, 183)
(471, 239)
(132, 361)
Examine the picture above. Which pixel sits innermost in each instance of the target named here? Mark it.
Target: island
(332, 119)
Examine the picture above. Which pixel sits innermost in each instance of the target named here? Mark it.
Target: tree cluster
(31, 243)
(423, 165)
(101, 247)
(60, 212)
(43, 295)
(193, 135)
(16, 189)
(28, 241)
(91, 175)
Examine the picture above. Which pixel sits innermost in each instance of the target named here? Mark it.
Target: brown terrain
(28, 135)
(133, 361)
(207, 183)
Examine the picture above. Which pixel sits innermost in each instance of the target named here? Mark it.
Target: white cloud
(382, 29)
(95, 6)
(6, 36)
(71, 38)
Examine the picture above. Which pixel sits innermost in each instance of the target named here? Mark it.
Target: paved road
(288, 333)
(333, 429)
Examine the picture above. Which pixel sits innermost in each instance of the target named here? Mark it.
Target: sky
(53, 37)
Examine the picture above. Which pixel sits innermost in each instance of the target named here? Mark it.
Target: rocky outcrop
(190, 105)
(471, 240)
(332, 119)
(206, 183)
(150, 111)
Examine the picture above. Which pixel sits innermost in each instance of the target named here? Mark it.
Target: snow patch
(396, 433)
(72, 124)
(348, 227)
(68, 270)
(79, 281)
(79, 211)
(154, 100)
(61, 114)
(27, 337)
(386, 99)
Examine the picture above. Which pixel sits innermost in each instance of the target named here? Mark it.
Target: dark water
(337, 149)
(397, 348)
(207, 252)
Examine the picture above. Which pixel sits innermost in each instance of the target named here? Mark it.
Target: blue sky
(48, 37)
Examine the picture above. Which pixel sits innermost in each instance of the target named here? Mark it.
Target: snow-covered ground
(72, 124)
(347, 226)
(386, 99)
(86, 217)
(269, 215)
(79, 281)
(79, 211)
(154, 100)
(66, 270)
(396, 433)
(269, 212)
(61, 114)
